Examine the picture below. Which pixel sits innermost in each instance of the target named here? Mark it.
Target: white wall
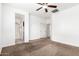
(0, 26)
(65, 26)
(27, 29)
(37, 27)
(8, 24)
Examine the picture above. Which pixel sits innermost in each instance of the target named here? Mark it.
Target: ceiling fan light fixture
(44, 6)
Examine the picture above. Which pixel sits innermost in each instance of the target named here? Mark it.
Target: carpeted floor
(42, 47)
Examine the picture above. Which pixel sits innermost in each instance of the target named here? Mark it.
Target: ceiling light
(44, 6)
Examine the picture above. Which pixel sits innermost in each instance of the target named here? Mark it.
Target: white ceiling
(31, 7)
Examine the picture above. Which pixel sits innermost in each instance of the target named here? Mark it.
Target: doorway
(48, 31)
(19, 28)
(45, 31)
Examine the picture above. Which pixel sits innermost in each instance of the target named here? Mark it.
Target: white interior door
(48, 30)
(43, 30)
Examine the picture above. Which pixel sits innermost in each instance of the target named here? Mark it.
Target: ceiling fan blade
(46, 3)
(41, 3)
(56, 10)
(46, 10)
(39, 8)
(52, 6)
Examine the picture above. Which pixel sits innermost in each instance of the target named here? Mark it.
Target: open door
(19, 28)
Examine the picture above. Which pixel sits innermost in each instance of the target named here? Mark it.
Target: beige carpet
(45, 51)
(42, 47)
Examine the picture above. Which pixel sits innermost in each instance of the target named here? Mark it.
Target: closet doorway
(19, 28)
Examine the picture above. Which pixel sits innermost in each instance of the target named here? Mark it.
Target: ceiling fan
(45, 6)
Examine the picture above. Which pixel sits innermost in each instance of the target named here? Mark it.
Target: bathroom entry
(19, 28)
